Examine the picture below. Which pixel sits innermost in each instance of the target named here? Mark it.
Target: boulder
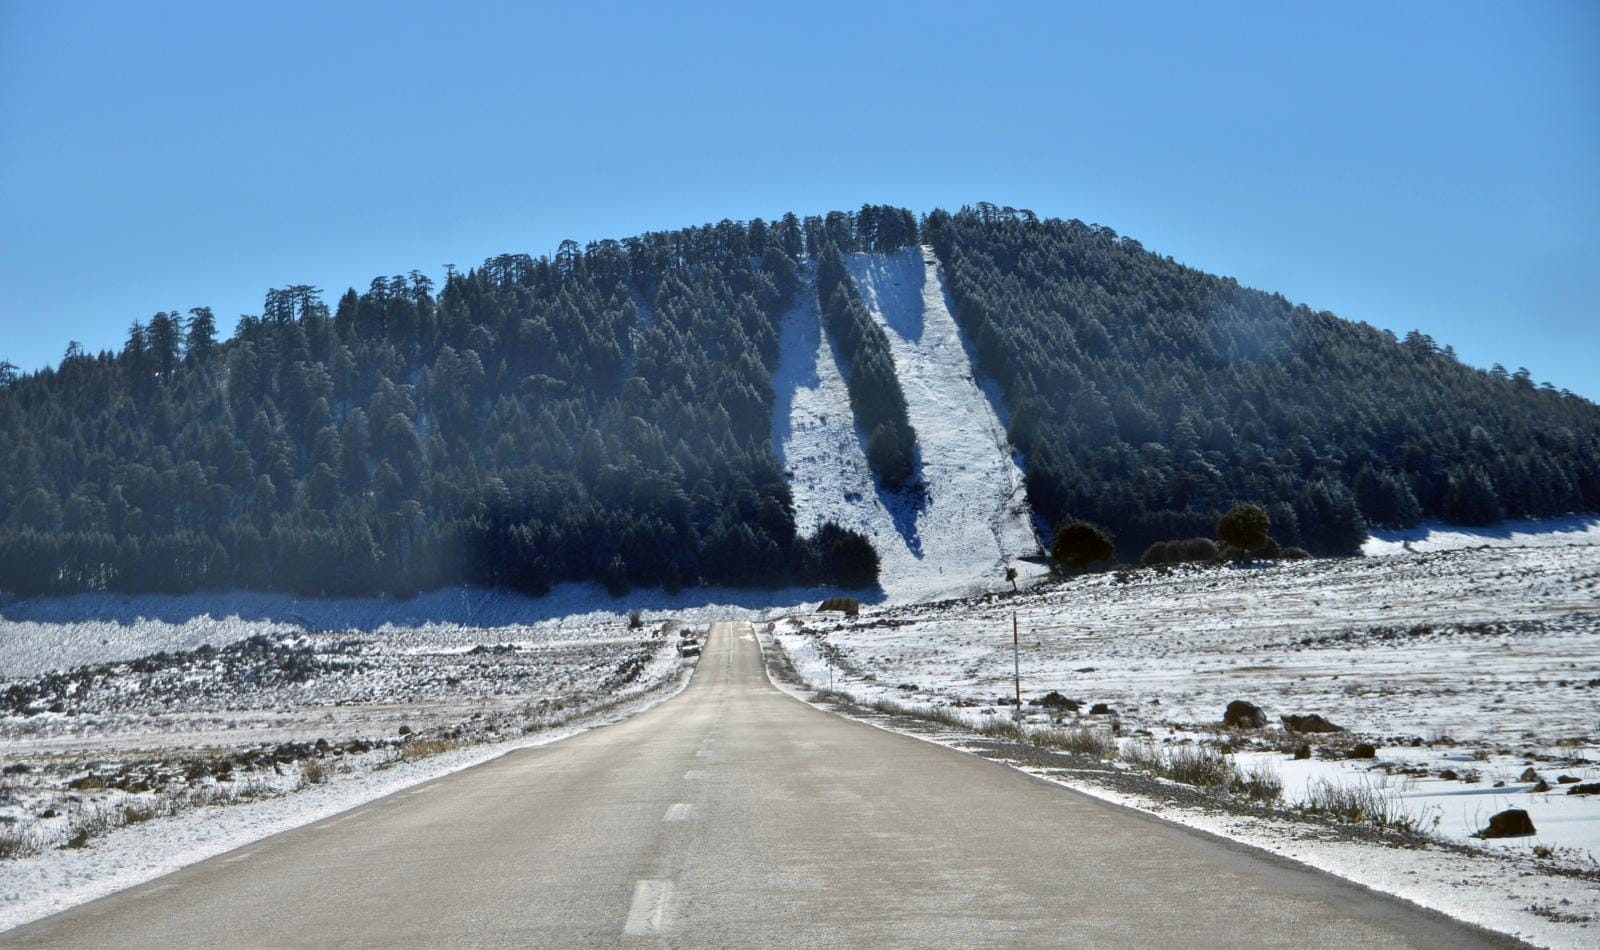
(1243, 715)
(1309, 723)
(1449, 775)
(1100, 709)
(1362, 750)
(1054, 700)
(1529, 774)
(1511, 823)
(1302, 751)
(1540, 786)
(1566, 779)
(1585, 788)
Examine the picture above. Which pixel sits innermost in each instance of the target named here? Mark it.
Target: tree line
(601, 413)
(1150, 397)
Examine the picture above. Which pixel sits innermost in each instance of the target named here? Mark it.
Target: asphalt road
(735, 816)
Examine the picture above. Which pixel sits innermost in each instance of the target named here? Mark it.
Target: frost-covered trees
(604, 414)
(1148, 396)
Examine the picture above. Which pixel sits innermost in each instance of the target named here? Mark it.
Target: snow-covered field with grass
(152, 732)
(1465, 681)
(972, 517)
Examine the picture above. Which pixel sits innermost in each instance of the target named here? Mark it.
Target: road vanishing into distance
(736, 816)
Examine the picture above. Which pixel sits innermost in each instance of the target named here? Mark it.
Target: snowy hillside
(1522, 533)
(973, 518)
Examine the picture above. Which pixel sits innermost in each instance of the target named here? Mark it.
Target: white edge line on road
(648, 914)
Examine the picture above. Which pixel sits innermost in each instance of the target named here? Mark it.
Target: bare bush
(1201, 766)
(313, 772)
(1360, 804)
(1197, 765)
(419, 749)
(1260, 782)
(19, 843)
(1094, 743)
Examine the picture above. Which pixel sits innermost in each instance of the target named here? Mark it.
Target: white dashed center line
(648, 915)
(678, 812)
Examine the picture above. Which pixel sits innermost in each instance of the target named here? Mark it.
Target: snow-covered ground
(1472, 672)
(186, 737)
(46, 633)
(973, 518)
(1437, 536)
(59, 878)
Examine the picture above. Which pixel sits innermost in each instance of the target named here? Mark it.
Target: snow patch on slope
(974, 516)
(1438, 536)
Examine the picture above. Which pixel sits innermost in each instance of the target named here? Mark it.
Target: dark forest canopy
(605, 414)
(1149, 397)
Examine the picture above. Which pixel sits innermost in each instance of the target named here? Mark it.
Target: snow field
(1464, 667)
(974, 517)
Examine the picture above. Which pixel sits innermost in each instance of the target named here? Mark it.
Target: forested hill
(1148, 397)
(601, 414)
(605, 414)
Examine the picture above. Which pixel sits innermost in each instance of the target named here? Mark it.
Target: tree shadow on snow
(891, 284)
(906, 503)
(469, 606)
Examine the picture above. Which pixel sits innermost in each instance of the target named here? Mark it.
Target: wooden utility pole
(1016, 666)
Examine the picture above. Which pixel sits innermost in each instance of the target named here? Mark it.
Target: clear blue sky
(1429, 165)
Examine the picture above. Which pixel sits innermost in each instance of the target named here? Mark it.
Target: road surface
(736, 816)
